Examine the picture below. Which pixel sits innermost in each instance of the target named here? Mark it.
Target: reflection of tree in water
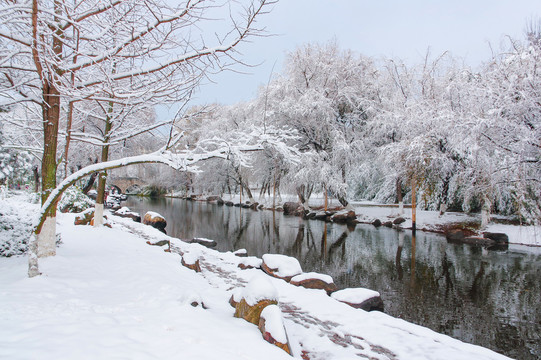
(467, 297)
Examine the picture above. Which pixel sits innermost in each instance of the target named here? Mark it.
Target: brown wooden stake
(326, 198)
(274, 193)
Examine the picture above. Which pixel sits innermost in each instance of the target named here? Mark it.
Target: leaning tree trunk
(90, 183)
(246, 187)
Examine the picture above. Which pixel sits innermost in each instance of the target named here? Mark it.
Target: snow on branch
(187, 159)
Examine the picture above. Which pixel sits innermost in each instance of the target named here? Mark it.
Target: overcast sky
(393, 28)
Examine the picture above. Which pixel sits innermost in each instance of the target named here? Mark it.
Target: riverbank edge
(461, 228)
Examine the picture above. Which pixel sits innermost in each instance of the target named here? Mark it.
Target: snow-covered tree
(327, 95)
(55, 52)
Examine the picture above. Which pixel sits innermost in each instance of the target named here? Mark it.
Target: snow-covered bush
(15, 167)
(74, 201)
(16, 224)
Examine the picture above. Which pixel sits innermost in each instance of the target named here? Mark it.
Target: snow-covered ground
(109, 295)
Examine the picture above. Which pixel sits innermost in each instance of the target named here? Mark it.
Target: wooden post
(413, 206)
(274, 193)
(326, 197)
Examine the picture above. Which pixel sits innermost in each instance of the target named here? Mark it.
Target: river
(488, 298)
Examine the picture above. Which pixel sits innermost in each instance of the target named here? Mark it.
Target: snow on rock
(250, 262)
(313, 275)
(271, 325)
(360, 298)
(236, 297)
(203, 241)
(259, 288)
(127, 213)
(84, 217)
(281, 266)
(257, 295)
(274, 324)
(241, 252)
(155, 220)
(344, 216)
(192, 298)
(191, 260)
(313, 280)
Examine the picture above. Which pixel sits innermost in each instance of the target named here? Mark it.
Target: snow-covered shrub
(15, 167)
(14, 234)
(16, 224)
(73, 200)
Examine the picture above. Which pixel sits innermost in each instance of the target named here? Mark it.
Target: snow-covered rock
(127, 213)
(293, 208)
(313, 280)
(155, 220)
(344, 216)
(250, 262)
(84, 217)
(271, 325)
(241, 252)
(203, 241)
(257, 295)
(191, 261)
(281, 266)
(360, 298)
(259, 288)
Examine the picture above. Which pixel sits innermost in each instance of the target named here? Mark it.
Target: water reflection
(490, 298)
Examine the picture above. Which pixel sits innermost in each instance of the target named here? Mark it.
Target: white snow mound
(354, 295)
(313, 275)
(285, 265)
(274, 323)
(259, 288)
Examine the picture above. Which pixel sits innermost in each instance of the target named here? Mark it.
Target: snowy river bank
(479, 296)
(107, 294)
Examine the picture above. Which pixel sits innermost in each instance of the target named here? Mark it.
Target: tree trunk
(344, 201)
(300, 194)
(36, 179)
(485, 212)
(46, 241)
(244, 186)
(68, 137)
(90, 183)
(343, 197)
(46, 235)
(248, 192)
(399, 196)
(102, 180)
(444, 195)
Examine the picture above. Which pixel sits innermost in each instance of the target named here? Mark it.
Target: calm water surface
(489, 298)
